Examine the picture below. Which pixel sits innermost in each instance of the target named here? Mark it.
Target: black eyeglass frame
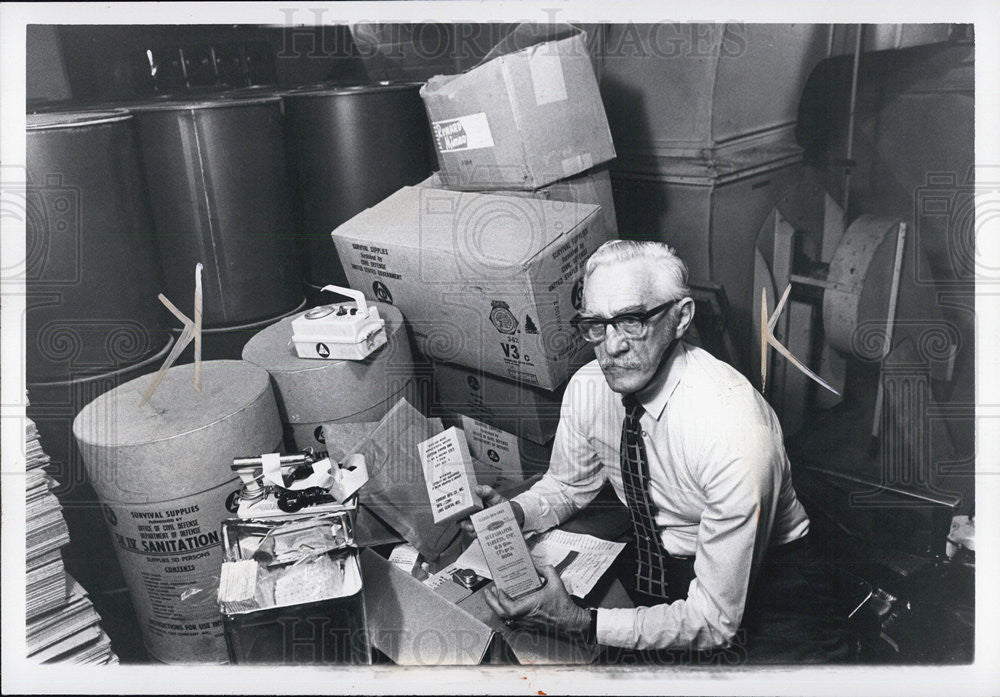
(582, 323)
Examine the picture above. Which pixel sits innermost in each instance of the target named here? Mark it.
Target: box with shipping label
(488, 282)
(449, 476)
(523, 410)
(528, 115)
(501, 457)
(592, 187)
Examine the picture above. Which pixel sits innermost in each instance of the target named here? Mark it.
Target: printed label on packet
(505, 551)
(449, 475)
(469, 132)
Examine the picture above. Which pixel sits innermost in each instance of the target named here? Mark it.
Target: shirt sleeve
(739, 465)
(575, 473)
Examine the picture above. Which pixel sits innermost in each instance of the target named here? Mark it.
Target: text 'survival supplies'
(505, 550)
(487, 282)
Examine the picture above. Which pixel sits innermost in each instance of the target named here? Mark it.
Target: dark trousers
(796, 612)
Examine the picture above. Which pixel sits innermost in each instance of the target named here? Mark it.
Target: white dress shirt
(719, 478)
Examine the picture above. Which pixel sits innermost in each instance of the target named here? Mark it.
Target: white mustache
(619, 364)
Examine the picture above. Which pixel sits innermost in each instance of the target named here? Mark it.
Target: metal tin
(219, 194)
(861, 268)
(326, 632)
(90, 271)
(350, 148)
(226, 343)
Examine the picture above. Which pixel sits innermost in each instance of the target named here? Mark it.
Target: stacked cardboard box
(527, 122)
(485, 260)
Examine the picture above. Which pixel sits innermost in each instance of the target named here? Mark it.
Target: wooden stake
(890, 322)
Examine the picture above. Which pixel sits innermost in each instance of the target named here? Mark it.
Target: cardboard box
(522, 410)
(528, 115)
(414, 625)
(488, 282)
(591, 187)
(499, 456)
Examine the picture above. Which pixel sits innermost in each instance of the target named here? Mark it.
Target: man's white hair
(673, 269)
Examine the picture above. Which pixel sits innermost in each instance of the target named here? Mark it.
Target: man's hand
(549, 607)
(491, 498)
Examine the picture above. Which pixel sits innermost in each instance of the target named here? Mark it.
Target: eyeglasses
(632, 325)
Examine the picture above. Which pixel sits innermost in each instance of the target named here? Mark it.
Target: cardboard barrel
(351, 147)
(91, 275)
(312, 392)
(226, 343)
(219, 193)
(163, 472)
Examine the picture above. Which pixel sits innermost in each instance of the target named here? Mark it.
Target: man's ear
(685, 317)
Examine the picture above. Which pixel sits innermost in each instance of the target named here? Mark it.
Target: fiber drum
(162, 472)
(314, 392)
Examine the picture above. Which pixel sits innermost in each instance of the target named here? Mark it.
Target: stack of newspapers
(62, 625)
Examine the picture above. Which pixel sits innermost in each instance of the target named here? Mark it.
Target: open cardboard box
(528, 115)
(413, 625)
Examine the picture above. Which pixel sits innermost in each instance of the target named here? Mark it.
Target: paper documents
(581, 560)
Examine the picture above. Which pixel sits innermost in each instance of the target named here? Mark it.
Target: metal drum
(219, 193)
(351, 147)
(91, 275)
(53, 406)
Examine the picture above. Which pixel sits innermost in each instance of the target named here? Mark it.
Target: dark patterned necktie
(652, 559)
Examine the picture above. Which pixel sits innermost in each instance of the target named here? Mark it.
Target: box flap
(528, 647)
(497, 229)
(395, 489)
(524, 36)
(529, 34)
(413, 625)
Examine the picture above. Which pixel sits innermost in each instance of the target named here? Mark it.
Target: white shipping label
(494, 448)
(447, 467)
(505, 550)
(469, 132)
(547, 78)
(406, 557)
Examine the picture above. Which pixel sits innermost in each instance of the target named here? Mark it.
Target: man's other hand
(549, 607)
(490, 498)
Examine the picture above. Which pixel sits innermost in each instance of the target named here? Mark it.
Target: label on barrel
(171, 554)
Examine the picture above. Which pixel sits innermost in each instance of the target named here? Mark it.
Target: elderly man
(696, 454)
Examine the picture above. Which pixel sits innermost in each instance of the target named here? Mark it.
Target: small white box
(505, 550)
(449, 475)
(340, 331)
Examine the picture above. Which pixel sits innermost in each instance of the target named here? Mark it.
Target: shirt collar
(656, 401)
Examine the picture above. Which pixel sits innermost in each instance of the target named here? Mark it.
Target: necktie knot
(633, 409)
